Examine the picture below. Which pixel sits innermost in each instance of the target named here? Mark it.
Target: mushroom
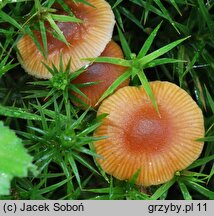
(103, 74)
(138, 138)
(86, 39)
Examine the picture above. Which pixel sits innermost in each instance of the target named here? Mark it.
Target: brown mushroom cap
(86, 39)
(137, 138)
(102, 73)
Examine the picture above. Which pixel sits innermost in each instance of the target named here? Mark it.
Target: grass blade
(53, 187)
(74, 168)
(65, 7)
(18, 113)
(194, 59)
(35, 40)
(4, 66)
(10, 20)
(130, 16)
(44, 37)
(166, 14)
(148, 58)
(206, 139)
(85, 2)
(56, 29)
(162, 189)
(210, 99)
(202, 190)
(148, 42)
(201, 162)
(206, 15)
(124, 44)
(148, 89)
(184, 191)
(64, 18)
(85, 163)
(118, 18)
(133, 179)
(147, 9)
(110, 60)
(173, 2)
(116, 3)
(114, 85)
(161, 61)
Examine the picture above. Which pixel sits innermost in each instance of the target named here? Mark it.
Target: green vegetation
(13, 151)
(161, 40)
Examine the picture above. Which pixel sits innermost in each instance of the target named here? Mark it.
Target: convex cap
(104, 74)
(138, 138)
(86, 39)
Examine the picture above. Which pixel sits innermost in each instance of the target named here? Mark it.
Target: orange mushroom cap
(102, 73)
(86, 39)
(138, 138)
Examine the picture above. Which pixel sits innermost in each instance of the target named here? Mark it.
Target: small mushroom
(86, 39)
(103, 74)
(140, 139)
